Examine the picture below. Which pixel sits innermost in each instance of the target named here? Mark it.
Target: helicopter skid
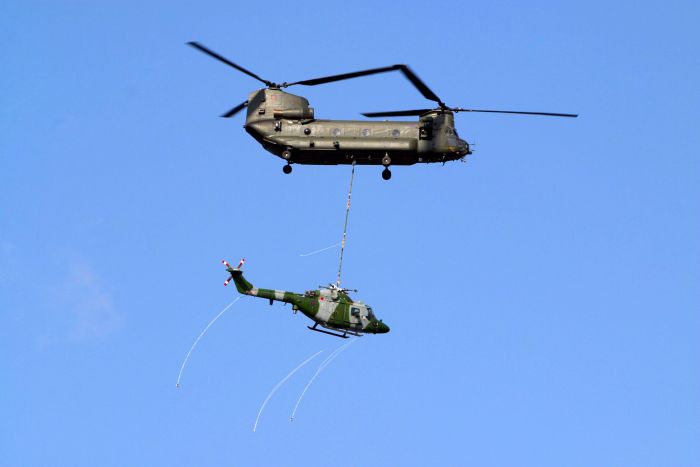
(344, 334)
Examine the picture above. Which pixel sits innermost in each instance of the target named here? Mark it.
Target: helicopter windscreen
(370, 314)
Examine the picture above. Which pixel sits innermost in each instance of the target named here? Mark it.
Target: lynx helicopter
(285, 125)
(329, 307)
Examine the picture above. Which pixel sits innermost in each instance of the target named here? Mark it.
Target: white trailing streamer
(277, 386)
(323, 365)
(321, 250)
(182, 368)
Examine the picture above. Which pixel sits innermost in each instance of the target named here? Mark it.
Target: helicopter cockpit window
(370, 314)
(365, 132)
(355, 312)
(426, 130)
(395, 133)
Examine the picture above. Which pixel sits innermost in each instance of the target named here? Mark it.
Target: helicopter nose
(382, 328)
(464, 147)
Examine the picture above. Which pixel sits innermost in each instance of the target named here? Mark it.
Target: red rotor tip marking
(227, 281)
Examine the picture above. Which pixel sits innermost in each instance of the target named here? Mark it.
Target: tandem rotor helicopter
(285, 125)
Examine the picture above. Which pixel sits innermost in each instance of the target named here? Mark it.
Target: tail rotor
(230, 270)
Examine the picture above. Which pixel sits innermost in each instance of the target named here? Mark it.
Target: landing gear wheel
(386, 174)
(287, 169)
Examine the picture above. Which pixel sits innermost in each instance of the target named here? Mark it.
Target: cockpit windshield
(370, 314)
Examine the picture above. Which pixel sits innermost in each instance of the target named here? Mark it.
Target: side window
(365, 132)
(426, 130)
(395, 133)
(336, 131)
(355, 312)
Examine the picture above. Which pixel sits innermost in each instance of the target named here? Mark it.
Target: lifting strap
(345, 229)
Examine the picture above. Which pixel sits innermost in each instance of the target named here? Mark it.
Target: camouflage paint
(328, 307)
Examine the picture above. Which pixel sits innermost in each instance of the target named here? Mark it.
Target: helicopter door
(426, 129)
(354, 317)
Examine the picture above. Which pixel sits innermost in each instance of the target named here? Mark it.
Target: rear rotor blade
(420, 85)
(548, 114)
(235, 110)
(211, 53)
(351, 75)
(397, 113)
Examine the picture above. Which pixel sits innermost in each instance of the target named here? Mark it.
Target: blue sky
(543, 298)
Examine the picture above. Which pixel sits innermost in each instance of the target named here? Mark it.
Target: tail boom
(246, 288)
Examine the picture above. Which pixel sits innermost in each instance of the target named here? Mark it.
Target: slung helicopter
(329, 307)
(285, 125)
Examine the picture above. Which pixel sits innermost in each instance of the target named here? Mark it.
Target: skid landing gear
(287, 169)
(344, 334)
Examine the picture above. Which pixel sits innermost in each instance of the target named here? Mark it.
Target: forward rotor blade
(397, 113)
(410, 75)
(351, 75)
(548, 114)
(211, 53)
(235, 110)
(420, 85)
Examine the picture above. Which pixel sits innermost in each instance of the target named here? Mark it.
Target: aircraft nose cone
(382, 328)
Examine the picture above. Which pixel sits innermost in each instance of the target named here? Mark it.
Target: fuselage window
(336, 131)
(395, 133)
(355, 312)
(365, 132)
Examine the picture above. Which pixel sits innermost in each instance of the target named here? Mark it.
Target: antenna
(345, 228)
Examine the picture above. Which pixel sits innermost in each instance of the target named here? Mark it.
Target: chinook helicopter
(285, 125)
(330, 307)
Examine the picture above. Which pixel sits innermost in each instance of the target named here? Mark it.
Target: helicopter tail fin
(242, 285)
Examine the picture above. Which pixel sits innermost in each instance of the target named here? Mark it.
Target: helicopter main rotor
(420, 85)
(417, 112)
(442, 107)
(407, 72)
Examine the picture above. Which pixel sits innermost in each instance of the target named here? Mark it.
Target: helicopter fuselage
(328, 307)
(284, 125)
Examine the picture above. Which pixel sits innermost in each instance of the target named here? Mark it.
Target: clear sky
(543, 298)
